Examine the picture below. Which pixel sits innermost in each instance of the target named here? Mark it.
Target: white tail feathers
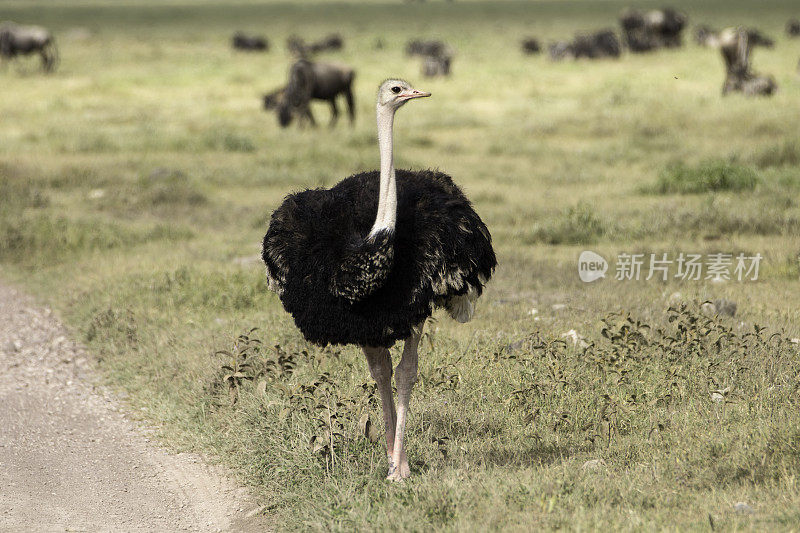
(462, 307)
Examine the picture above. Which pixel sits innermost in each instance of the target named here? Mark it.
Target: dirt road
(71, 460)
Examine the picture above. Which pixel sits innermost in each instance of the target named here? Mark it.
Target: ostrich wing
(364, 267)
(314, 239)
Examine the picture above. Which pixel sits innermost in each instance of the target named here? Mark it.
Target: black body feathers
(344, 288)
(365, 266)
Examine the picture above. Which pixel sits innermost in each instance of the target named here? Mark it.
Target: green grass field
(137, 181)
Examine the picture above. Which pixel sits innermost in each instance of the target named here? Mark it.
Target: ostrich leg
(380, 366)
(405, 377)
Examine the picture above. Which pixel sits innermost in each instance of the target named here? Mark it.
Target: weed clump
(786, 154)
(636, 375)
(18, 193)
(160, 192)
(578, 224)
(333, 420)
(717, 217)
(169, 188)
(228, 141)
(220, 291)
(707, 177)
(113, 324)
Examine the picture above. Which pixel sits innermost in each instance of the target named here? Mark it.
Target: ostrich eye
(395, 89)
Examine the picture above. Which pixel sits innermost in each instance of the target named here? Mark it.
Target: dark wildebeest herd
(603, 43)
(298, 46)
(659, 28)
(662, 28)
(316, 80)
(309, 79)
(641, 32)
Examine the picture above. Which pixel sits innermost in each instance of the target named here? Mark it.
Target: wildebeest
(421, 47)
(17, 40)
(298, 46)
(659, 28)
(793, 28)
(603, 43)
(249, 43)
(530, 45)
(318, 81)
(736, 46)
(436, 56)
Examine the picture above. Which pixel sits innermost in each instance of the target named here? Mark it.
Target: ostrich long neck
(387, 201)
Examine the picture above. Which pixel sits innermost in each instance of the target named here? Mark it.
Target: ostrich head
(393, 93)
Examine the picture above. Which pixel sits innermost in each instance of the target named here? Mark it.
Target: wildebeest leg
(334, 112)
(49, 57)
(351, 108)
(305, 113)
(728, 85)
(310, 117)
(46, 61)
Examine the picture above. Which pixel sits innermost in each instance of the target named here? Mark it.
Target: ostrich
(368, 260)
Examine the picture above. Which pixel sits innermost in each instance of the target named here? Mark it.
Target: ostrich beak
(414, 94)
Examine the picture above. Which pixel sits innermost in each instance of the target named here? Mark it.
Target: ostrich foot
(404, 470)
(394, 475)
(398, 473)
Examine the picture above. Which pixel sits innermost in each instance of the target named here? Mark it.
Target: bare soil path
(70, 458)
